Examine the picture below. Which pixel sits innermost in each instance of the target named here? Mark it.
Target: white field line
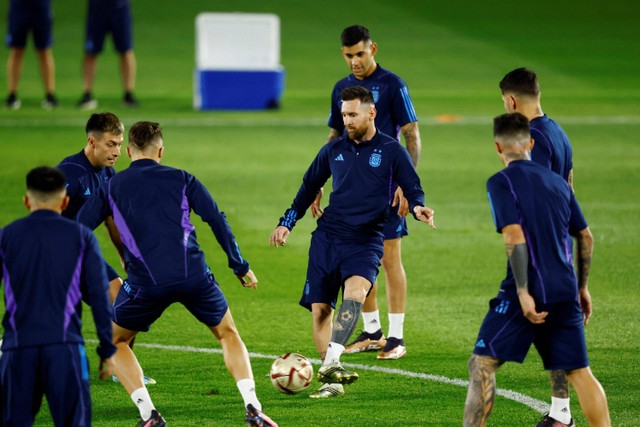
(537, 405)
(295, 122)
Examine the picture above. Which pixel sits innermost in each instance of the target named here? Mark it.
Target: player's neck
(512, 156)
(532, 111)
(92, 159)
(371, 71)
(366, 137)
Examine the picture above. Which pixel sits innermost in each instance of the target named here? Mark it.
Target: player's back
(44, 257)
(546, 210)
(151, 209)
(552, 148)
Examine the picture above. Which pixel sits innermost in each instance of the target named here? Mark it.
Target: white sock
(396, 325)
(334, 351)
(247, 389)
(143, 401)
(371, 321)
(560, 410)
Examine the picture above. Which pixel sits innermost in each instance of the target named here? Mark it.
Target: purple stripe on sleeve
(73, 294)
(390, 189)
(11, 306)
(568, 249)
(534, 262)
(125, 234)
(187, 226)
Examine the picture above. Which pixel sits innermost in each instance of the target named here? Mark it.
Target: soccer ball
(291, 373)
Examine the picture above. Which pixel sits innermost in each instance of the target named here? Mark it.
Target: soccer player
(521, 93)
(150, 204)
(540, 301)
(347, 245)
(91, 168)
(103, 17)
(87, 171)
(395, 116)
(34, 16)
(48, 264)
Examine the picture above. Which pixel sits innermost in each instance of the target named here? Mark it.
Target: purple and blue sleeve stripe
(74, 293)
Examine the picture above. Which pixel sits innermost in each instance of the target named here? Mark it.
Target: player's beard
(356, 134)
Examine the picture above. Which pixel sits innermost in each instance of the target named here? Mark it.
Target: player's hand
(400, 201)
(425, 214)
(279, 236)
(249, 280)
(585, 303)
(529, 308)
(106, 368)
(316, 210)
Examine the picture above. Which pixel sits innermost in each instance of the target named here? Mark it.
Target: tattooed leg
(482, 390)
(346, 321)
(559, 384)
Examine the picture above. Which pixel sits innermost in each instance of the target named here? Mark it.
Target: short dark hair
(354, 35)
(46, 180)
(357, 92)
(103, 123)
(511, 127)
(521, 81)
(142, 134)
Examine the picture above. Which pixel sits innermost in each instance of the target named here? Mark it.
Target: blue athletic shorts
(332, 262)
(109, 17)
(396, 226)
(137, 307)
(59, 371)
(30, 15)
(507, 335)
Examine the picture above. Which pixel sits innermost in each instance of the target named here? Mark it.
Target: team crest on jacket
(375, 92)
(376, 158)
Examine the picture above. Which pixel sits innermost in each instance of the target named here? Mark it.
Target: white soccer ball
(291, 373)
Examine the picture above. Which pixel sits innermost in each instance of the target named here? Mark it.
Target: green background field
(452, 55)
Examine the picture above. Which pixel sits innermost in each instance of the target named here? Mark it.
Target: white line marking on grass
(535, 404)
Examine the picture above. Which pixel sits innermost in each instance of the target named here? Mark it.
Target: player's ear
(160, 152)
(531, 144)
(25, 200)
(129, 151)
(374, 48)
(64, 203)
(498, 147)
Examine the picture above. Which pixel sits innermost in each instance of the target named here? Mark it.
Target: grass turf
(452, 57)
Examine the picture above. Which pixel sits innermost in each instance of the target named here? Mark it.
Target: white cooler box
(237, 62)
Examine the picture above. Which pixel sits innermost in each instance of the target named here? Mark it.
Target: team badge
(375, 91)
(376, 158)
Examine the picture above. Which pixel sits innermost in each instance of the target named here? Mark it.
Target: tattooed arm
(412, 141)
(583, 266)
(518, 255)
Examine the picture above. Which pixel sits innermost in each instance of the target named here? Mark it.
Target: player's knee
(321, 313)
(392, 254)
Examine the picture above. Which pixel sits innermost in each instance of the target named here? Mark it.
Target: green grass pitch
(452, 55)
